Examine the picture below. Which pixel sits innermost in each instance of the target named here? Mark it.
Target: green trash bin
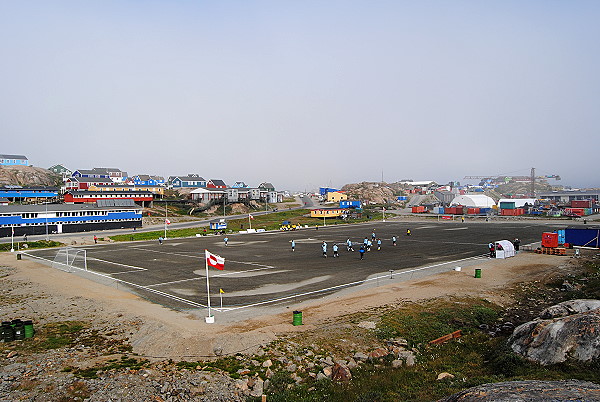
(29, 331)
(297, 318)
(477, 272)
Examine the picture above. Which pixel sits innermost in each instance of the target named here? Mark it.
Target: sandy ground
(50, 295)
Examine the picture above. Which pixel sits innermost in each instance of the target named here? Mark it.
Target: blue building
(148, 180)
(350, 204)
(12, 160)
(18, 193)
(189, 181)
(68, 218)
(324, 190)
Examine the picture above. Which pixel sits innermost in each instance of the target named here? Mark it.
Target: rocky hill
(378, 192)
(27, 176)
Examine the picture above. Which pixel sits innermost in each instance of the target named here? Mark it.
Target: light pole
(46, 205)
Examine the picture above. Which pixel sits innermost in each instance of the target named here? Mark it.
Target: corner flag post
(207, 283)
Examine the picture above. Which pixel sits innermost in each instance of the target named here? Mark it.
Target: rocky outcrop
(376, 193)
(570, 390)
(570, 307)
(550, 341)
(27, 176)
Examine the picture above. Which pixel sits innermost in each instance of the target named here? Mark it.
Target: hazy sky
(304, 93)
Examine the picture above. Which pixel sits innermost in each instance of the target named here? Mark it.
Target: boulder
(341, 373)
(570, 307)
(531, 391)
(378, 353)
(556, 340)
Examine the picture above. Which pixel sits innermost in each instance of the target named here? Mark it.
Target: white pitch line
(172, 282)
(116, 263)
(241, 272)
(200, 256)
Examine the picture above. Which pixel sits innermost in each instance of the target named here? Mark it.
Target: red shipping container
(418, 210)
(512, 212)
(581, 204)
(549, 239)
(450, 210)
(575, 211)
(472, 211)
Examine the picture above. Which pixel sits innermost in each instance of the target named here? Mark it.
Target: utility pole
(532, 182)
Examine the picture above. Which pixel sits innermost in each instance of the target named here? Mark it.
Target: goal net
(69, 258)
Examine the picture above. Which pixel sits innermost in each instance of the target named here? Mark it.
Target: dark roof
(116, 203)
(188, 178)
(90, 179)
(91, 171)
(51, 208)
(218, 182)
(6, 156)
(126, 192)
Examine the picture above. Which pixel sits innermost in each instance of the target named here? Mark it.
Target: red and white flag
(214, 260)
(168, 222)
(250, 216)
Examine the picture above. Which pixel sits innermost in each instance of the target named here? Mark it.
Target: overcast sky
(304, 93)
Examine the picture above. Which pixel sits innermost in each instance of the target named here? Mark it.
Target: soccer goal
(68, 258)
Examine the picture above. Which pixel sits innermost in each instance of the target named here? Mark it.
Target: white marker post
(210, 319)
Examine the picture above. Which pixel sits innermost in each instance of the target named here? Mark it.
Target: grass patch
(50, 336)
(126, 362)
(30, 245)
(474, 359)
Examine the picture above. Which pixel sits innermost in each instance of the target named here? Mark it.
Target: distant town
(103, 198)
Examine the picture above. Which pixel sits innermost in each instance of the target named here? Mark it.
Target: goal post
(69, 258)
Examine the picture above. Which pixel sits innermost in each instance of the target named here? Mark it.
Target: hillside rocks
(554, 340)
(569, 307)
(376, 193)
(27, 176)
(570, 390)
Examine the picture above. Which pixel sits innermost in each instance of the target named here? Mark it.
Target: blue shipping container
(561, 236)
(402, 198)
(587, 237)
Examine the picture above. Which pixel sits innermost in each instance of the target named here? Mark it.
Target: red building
(83, 183)
(142, 198)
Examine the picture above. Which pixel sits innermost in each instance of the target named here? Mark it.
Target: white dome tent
(474, 201)
(504, 249)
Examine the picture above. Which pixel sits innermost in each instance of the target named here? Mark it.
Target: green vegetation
(125, 363)
(30, 245)
(473, 359)
(50, 336)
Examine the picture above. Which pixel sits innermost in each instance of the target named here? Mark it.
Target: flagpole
(207, 284)
(12, 239)
(221, 297)
(165, 219)
(250, 220)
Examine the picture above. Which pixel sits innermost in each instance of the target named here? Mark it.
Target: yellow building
(336, 196)
(157, 190)
(327, 212)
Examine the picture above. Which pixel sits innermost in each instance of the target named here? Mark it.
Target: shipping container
(402, 198)
(438, 210)
(549, 239)
(472, 211)
(583, 236)
(485, 211)
(418, 210)
(512, 212)
(575, 211)
(561, 236)
(581, 204)
(507, 205)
